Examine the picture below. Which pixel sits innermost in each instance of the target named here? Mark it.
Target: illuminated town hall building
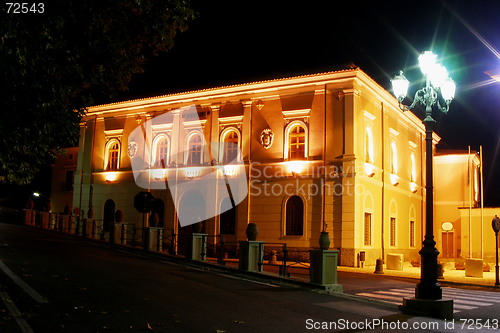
(324, 152)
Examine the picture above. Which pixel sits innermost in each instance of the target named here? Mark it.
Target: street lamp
(438, 91)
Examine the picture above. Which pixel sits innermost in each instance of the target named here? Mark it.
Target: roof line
(225, 87)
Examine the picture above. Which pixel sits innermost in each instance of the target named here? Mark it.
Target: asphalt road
(85, 286)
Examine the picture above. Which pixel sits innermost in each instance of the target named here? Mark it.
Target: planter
(252, 231)
(324, 240)
(153, 220)
(119, 216)
(197, 227)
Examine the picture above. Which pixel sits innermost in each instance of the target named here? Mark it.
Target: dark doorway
(448, 244)
(195, 203)
(108, 215)
(159, 208)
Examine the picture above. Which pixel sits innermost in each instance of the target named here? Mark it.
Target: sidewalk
(450, 274)
(300, 272)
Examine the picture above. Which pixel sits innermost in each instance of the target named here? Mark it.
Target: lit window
(368, 229)
(394, 158)
(230, 147)
(297, 143)
(112, 155)
(413, 166)
(194, 150)
(368, 145)
(294, 216)
(412, 233)
(161, 152)
(476, 185)
(392, 232)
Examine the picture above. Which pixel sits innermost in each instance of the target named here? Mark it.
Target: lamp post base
(440, 308)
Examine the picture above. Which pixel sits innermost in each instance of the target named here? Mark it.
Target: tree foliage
(56, 63)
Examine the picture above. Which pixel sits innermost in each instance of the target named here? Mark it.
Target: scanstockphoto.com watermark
(259, 188)
(275, 180)
(385, 325)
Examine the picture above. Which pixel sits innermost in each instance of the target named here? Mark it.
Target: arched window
(161, 149)
(297, 143)
(227, 218)
(294, 216)
(194, 150)
(112, 155)
(230, 147)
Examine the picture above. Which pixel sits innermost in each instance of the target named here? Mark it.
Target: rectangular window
(68, 183)
(368, 229)
(393, 231)
(412, 233)
(194, 157)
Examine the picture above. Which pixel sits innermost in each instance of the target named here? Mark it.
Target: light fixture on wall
(369, 169)
(394, 179)
(111, 176)
(295, 167)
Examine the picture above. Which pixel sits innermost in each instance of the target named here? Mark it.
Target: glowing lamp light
(427, 62)
(296, 167)
(369, 169)
(447, 226)
(193, 172)
(394, 179)
(111, 176)
(438, 75)
(413, 187)
(36, 194)
(448, 88)
(400, 86)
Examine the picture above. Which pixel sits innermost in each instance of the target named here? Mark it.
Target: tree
(57, 62)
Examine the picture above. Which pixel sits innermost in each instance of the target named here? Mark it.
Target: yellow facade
(338, 133)
(462, 228)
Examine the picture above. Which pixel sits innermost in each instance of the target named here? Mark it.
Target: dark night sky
(243, 41)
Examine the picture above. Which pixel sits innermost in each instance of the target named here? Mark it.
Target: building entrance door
(448, 244)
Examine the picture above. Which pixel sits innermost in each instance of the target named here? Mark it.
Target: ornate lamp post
(439, 91)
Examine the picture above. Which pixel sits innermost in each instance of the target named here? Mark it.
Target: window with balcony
(296, 141)
(161, 151)
(112, 155)
(230, 147)
(194, 150)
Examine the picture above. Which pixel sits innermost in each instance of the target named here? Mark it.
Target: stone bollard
(323, 270)
(251, 255)
(273, 261)
(197, 247)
